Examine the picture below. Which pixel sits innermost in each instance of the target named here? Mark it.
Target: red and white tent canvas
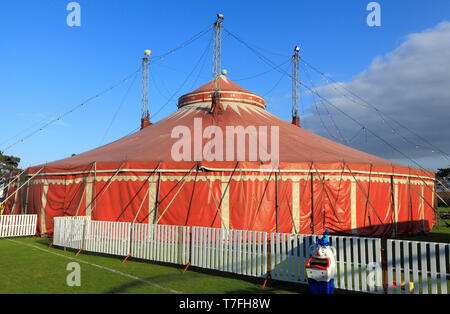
(317, 184)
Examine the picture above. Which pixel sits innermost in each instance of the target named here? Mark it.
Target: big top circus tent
(319, 184)
(175, 172)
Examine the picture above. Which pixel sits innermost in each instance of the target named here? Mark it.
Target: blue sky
(48, 67)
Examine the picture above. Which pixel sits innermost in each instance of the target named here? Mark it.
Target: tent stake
(187, 266)
(265, 281)
(125, 258)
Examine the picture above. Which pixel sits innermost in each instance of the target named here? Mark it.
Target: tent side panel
(119, 200)
(374, 209)
(319, 200)
(337, 206)
(286, 213)
(252, 205)
(75, 199)
(404, 222)
(191, 203)
(305, 206)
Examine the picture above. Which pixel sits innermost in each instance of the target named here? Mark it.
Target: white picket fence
(68, 232)
(107, 237)
(422, 266)
(258, 254)
(161, 243)
(235, 251)
(358, 260)
(17, 225)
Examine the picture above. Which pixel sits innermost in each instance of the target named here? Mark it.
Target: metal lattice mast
(217, 47)
(295, 87)
(145, 115)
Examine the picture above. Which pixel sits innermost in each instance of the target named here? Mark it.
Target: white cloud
(411, 85)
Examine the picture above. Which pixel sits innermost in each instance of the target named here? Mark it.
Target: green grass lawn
(29, 267)
(440, 232)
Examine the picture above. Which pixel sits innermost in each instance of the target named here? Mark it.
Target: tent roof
(155, 142)
(230, 92)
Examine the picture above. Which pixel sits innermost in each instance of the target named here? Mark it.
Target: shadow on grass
(435, 236)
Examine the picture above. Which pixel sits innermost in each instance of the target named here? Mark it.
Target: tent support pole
(84, 191)
(10, 182)
(214, 199)
(436, 211)
(422, 197)
(312, 203)
(357, 183)
(305, 188)
(81, 200)
(276, 200)
(19, 188)
(410, 206)
(176, 194)
(289, 207)
(368, 196)
(212, 195)
(140, 206)
(434, 192)
(159, 202)
(15, 199)
(191, 198)
(442, 184)
(437, 195)
(393, 203)
(95, 184)
(146, 193)
(26, 198)
(105, 188)
(242, 184)
(157, 198)
(328, 197)
(139, 210)
(262, 197)
(223, 194)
